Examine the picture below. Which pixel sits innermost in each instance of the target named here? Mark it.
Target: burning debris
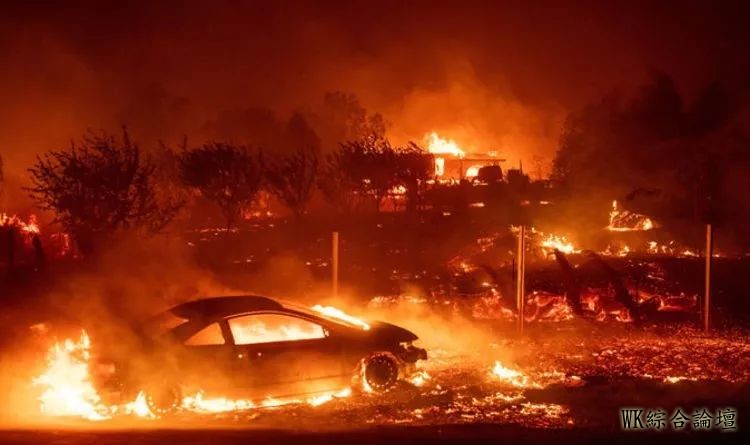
(28, 228)
(511, 376)
(626, 221)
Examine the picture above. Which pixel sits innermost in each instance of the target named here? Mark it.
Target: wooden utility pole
(335, 263)
(707, 290)
(520, 276)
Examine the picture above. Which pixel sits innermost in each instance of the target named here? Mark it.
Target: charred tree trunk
(621, 292)
(572, 287)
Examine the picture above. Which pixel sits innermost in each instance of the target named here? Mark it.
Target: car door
(286, 354)
(207, 361)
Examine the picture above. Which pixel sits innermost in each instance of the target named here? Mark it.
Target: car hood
(386, 331)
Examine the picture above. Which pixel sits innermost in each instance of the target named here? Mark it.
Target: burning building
(453, 163)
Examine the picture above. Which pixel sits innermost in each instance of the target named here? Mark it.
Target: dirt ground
(447, 434)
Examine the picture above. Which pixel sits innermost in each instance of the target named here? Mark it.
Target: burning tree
(2, 177)
(292, 177)
(228, 175)
(414, 167)
(338, 181)
(99, 186)
(364, 168)
(370, 168)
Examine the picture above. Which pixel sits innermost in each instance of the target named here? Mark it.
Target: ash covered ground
(564, 380)
(575, 380)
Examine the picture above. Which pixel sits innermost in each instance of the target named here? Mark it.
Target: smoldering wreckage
(622, 315)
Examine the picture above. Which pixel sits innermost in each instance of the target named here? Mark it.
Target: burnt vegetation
(99, 186)
(228, 175)
(655, 152)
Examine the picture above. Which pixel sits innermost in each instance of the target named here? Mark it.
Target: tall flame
(438, 145)
(69, 389)
(338, 314)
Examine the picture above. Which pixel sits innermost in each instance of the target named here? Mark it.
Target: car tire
(380, 372)
(164, 399)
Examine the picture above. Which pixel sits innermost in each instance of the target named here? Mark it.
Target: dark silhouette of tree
(2, 177)
(292, 177)
(380, 170)
(413, 167)
(342, 177)
(338, 180)
(656, 141)
(99, 186)
(228, 175)
(343, 118)
(168, 179)
(370, 168)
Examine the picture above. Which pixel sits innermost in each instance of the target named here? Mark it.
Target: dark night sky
(498, 75)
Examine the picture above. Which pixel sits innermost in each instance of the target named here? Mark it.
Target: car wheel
(164, 399)
(380, 371)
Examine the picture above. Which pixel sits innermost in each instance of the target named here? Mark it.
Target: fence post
(520, 276)
(707, 290)
(335, 263)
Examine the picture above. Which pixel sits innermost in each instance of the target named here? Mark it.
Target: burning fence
(622, 281)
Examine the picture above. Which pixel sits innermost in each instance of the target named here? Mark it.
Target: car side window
(210, 335)
(268, 328)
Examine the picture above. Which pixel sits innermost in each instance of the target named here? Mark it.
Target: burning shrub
(292, 177)
(98, 187)
(227, 175)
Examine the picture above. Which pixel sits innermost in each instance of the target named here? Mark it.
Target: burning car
(255, 347)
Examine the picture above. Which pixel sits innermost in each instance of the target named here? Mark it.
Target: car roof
(216, 307)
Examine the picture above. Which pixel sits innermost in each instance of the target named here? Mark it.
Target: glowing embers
(548, 242)
(200, 403)
(510, 376)
(340, 315)
(671, 248)
(419, 378)
(626, 221)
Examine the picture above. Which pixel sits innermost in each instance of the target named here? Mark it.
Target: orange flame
(508, 375)
(338, 314)
(559, 242)
(69, 390)
(625, 221)
(31, 227)
(438, 145)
